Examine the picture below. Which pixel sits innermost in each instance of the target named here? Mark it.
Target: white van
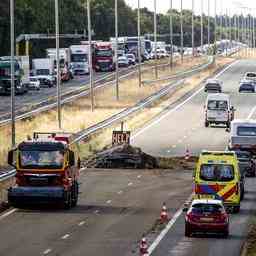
(218, 109)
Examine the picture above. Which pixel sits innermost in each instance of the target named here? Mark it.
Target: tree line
(38, 17)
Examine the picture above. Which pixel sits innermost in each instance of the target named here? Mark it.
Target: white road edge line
(6, 214)
(81, 223)
(252, 113)
(156, 121)
(154, 245)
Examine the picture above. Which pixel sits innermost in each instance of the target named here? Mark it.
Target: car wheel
(242, 195)
(188, 232)
(228, 124)
(226, 234)
(206, 124)
(236, 209)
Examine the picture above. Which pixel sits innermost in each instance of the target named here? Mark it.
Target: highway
(117, 206)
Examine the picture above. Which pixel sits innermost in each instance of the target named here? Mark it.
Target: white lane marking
(8, 213)
(185, 136)
(179, 141)
(120, 192)
(174, 146)
(252, 113)
(153, 246)
(47, 251)
(130, 184)
(109, 201)
(81, 223)
(65, 236)
(139, 176)
(96, 211)
(157, 120)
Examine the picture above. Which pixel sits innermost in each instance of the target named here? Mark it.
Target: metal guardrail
(183, 74)
(170, 87)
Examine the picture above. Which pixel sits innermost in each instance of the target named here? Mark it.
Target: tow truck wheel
(68, 200)
(75, 194)
(187, 230)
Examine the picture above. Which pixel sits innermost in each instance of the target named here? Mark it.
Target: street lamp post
(171, 36)
(116, 54)
(139, 45)
(193, 28)
(155, 39)
(12, 74)
(57, 38)
(181, 30)
(90, 52)
(208, 41)
(202, 25)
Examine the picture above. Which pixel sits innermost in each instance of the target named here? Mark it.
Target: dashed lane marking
(109, 201)
(139, 176)
(65, 236)
(81, 223)
(47, 251)
(120, 192)
(130, 184)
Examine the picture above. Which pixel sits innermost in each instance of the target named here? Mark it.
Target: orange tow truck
(47, 171)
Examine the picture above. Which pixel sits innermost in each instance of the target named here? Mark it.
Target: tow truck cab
(47, 171)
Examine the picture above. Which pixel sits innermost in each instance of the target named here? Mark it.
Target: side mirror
(71, 158)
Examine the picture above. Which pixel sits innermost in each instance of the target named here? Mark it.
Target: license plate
(206, 219)
(205, 196)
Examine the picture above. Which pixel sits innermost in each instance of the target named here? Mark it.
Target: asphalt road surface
(116, 207)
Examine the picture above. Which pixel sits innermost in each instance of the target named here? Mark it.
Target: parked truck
(64, 56)
(79, 59)
(47, 171)
(103, 57)
(43, 70)
(5, 77)
(243, 135)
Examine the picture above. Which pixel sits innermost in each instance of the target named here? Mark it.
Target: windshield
(42, 159)
(79, 58)
(246, 131)
(42, 72)
(207, 208)
(217, 172)
(212, 84)
(217, 105)
(103, 53)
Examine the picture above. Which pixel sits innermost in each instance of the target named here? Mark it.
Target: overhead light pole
(181, 30)
(90, 52)
(12, 74)
(116, 50)
(193, 29)
(57, 39)
(139, 44)
(155, 38)
(215, 27)
(202, 25)
(208, 37)
(171, 35)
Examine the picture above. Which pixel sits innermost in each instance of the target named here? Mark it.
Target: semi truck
(47, 171)
(103, 57)
(5, 77)
(79, 59)
(43, 70)
(64, 56)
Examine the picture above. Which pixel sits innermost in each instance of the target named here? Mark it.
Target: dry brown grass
(249, 53)
(77, 115)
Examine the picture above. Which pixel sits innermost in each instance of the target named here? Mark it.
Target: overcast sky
(163, 5)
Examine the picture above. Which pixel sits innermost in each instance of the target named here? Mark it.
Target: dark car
(206, 216)
(213, 85)
(247, 86)
(246, 163)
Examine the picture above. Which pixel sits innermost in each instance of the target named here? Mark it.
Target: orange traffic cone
(164, 214)
(143, 246)
(187, 156)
